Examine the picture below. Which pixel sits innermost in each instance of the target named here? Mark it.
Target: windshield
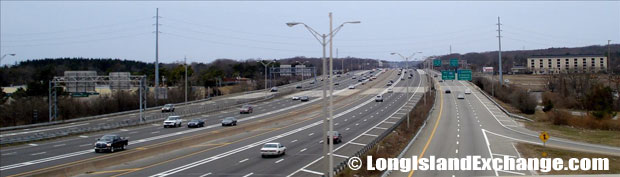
(270, 146)
(246, 106)
(195, 120)
(173, 118)
(107, 138)
(229, 119)
(168, 105)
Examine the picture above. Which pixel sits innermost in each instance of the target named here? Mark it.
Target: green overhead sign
(464, 74)
(437, 62)
(454, 62)
(447, 75)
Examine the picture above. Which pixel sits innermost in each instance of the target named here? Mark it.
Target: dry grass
(535, 151)
(606, 137)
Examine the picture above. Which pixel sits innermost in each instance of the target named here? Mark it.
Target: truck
(111, 143)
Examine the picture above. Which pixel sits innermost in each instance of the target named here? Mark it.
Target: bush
(510, 94)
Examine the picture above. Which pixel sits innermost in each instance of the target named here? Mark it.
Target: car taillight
(335, 136)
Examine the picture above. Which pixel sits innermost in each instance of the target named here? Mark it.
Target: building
(518, 69)
(567, 64)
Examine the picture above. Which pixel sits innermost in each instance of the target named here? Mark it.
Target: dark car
(298, 86)
(229, 121)
(195, 123)
(335, 135)
(448, 91)
(304, 98)
(111, 143)
(336, 83)
(168, 108)
(274, 89)
(246, 109)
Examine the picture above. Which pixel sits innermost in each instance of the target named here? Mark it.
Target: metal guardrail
(500, 106)
(134, 122)
(137, 110)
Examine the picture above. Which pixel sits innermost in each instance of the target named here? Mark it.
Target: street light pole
(3, 56)
(185, 61)
(266, 64)
(408, 80)
(322, 40)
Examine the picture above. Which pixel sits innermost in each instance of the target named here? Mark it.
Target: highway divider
(498, 105)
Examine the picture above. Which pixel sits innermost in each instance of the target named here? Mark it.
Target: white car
(460, 96)
(173, 121)
(352, 87)
(467, 91)
(271, 149)
(390, 90)
(296, 97)
(379, 98)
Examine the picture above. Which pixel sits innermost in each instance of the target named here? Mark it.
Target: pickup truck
(111, 143)
(173, 121)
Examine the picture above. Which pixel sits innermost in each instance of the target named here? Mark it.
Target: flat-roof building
(567, 64)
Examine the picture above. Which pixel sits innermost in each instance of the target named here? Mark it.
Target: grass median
(535, 151)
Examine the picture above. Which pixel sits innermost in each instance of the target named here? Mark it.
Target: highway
(359, 118)
(27, 158)
(219, 103)
(475, 126)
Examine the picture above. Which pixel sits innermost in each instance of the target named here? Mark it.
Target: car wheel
(111, 149)
(96, 150)
(263, 156)
(284, 152)
(123, 147)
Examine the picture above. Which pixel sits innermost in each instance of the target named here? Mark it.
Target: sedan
(296, 97)
(460, 96)
(246, 109)
(272, 149)
(168, 108)
(334, 135)
(274, 89)
(195, 123)
(379, 98)
(448, 91)
(298, 86)
(467, 91)
(336, 83)
(352, 87)
(229, 121)
(304, 98)
(390, 90)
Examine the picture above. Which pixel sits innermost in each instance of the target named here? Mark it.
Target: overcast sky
(204, 31)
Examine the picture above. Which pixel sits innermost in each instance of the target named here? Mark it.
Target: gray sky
(204, 31)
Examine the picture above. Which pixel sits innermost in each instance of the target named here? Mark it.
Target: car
(111, 143)
(351, 86)
(379, 98)
(274, 89)
(296, 97)
(272, 149)
(402, 78)
(304, 98)
(360, 80)
(399, 73)
(167, 108)
(298, 86)
(389, 84)
(229, 121)
(373, 77)
(409, 77)
(460, 96)
(246, 109)
(391, 81)
(336, 83)
(338, 75)
(390, 90)
(467, 91)
(173, 121)
(311, 82)
(448, 91)
(440, 80)
(364, 83)
(435, 75)
(335, 135)
(195, 123)
(353, 77)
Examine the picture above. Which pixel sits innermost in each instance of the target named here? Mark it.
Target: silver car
(460, 96)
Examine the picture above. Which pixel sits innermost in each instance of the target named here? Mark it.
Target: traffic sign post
(544, 136)
(447, 75)
(464, 74)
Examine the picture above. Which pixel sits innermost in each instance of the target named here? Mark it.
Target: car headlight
(108, 144)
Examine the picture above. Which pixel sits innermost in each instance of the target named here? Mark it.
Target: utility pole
(342, 61)
(609, 56)
(331, 96)
(499, 38)
(450, 49)
(185, 61)
(156, 56)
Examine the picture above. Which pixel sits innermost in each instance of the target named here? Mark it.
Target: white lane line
(310, 134)
(346, 129)
(241, 161)
(10, 153)
(380, 128)
(457, 135)
(132, 132)
(249, 174)
(279, 161)
(310, 171)
(124, 130)
(338, 155)
(357, 124)
(320, 141)
(38, 153)
(154, 132)
(84, 145)
(58, 145)
(505, 155)
(354, 143)
(293, 141)
(457, 151)
(336, 124)
(83, 136)
(522, 174)
(370, 135)
(457, 142)
(304, 149)
(389, 122)
(33, 144)
(205, 174)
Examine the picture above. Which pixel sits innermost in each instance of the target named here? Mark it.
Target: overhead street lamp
(408, 80)
(266, 64)
(328, 119)
(11, 54)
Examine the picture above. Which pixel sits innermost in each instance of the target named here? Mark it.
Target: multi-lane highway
(38, 156)
(357, 116)
(475, 126)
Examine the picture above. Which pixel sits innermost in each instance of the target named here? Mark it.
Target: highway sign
(454, 62)
(544, 136)
(437, 62)
(447, 75)
(464, 74)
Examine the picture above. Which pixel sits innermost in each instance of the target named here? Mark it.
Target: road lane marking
(58, 145)
(33, 144)
(84, 145)
(293, 141)
(434, 129)
(370, 135)
(206, 174)
(304, 149)
(457, 151)
(310, 134)
(279, 161)
(249, 174)
(154, 132)
(241, 161)
(346, 129)
(38, 153)
(310, 171)
(354, 143)
(10, 153)
(83, 136)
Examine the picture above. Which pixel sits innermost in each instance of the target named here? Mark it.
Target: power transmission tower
(157, 56)
(499, 38)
